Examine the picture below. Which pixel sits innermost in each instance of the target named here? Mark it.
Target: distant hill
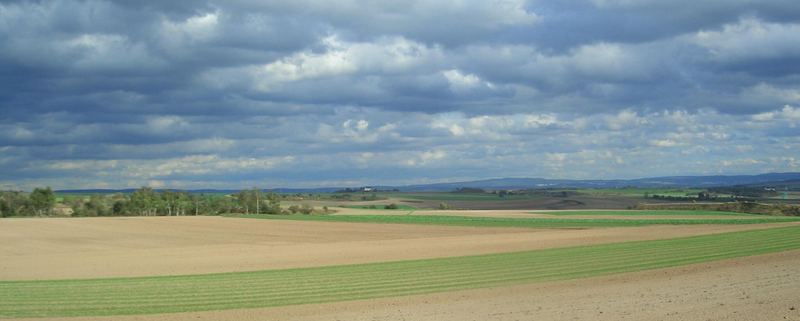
(776, 179)
(791, 185)
(654, 182)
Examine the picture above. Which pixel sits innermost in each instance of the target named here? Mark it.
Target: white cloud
(625, 119)
(460, 82)
(386, 55)
(663, 143)
(750, 38)
(108, 52)
(787, 113)
(198, 28)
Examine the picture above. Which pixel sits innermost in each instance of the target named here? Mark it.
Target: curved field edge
(166, 294)
(647, 213)
(517, 222)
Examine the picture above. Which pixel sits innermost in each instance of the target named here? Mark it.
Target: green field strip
(379, 285)
(164, 294)
(416, 264)
(497, 270)
(396, 267)
(519, 222)
(652, 213)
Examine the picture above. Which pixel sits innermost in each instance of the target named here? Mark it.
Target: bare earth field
(139, 246)
(751, 288)
(531, 214)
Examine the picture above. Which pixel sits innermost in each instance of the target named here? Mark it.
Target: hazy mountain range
(524, 183)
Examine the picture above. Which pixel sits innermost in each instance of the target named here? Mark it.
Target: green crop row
(650, 213)
(165, 294)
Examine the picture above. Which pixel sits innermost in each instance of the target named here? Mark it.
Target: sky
(305, 93)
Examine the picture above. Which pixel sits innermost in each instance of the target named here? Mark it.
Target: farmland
(648, 213)
(221, 267)
(479, 221)
(349, 282)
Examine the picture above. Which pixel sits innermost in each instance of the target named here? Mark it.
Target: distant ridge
(524, 183)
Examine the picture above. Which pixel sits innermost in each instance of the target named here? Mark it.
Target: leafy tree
(42, 200)
(120, 207)
(145, 201)
(244, 198)
(222, 205)
(169, 200)
(273, 203)
(13, 203)
(182, 203)
(96, 206)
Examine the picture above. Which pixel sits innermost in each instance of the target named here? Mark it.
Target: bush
(392, 206)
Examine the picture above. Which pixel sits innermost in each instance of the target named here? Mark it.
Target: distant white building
(367, 189)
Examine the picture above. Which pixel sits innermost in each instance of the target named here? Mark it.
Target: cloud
(300, 93)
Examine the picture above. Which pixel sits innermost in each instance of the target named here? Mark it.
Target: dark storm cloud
(237, 93)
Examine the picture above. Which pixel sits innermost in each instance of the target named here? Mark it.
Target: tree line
(37, 203)
(144, 201)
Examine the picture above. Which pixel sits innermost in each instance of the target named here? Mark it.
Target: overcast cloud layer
(231, 94)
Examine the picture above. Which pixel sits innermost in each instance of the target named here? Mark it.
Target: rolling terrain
(239, 267)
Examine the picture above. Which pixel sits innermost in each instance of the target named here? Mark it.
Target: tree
(12, 203)
(222, 205)
(182, 203)
(96, 206)
(145, 201)
(243, 198)
(256, 195)
(169, 199)
(42, 200)
(274, 203)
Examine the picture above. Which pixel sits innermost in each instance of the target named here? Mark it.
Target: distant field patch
(399, 207)
(441, 196)
(150, 295)
(648, 213)
(516, 222)
(638, 192)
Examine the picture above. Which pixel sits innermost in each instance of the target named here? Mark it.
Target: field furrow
(144, 295)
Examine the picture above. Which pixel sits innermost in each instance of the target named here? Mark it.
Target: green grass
(649, 213)
(517, 222)
(149, 295)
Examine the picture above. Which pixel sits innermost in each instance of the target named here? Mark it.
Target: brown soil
(137, 246)
(536, 214)
(752, 288)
